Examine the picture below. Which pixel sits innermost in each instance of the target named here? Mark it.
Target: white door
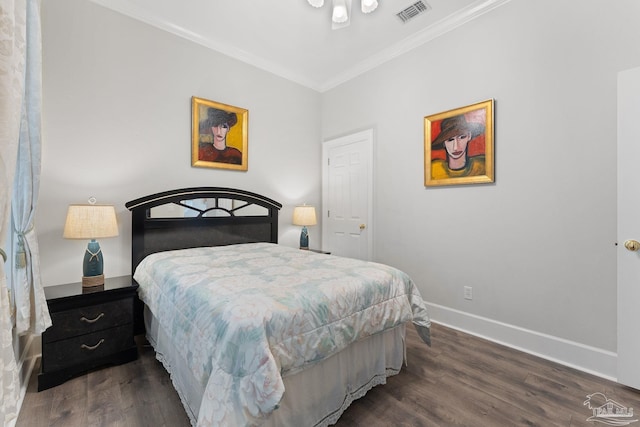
(347, 193)
(628, 228)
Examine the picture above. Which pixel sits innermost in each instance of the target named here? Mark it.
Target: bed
(256, 333)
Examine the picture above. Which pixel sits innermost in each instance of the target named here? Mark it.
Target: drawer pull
(92, 347)
(84, 319)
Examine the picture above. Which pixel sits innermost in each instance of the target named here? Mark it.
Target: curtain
(32, 314)
(12, 65)
(13, 57)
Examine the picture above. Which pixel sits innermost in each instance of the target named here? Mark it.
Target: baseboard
(592, 360)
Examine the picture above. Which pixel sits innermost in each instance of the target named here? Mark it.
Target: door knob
(362, 227)
(632, 245)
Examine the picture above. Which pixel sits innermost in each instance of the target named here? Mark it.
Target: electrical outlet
(468, 292)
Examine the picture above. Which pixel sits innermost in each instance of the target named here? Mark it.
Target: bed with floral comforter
(243, 316)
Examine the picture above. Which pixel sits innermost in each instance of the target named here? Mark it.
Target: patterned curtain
(32, 314)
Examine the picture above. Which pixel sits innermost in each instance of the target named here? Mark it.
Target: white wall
(117, 126)
(538, 246)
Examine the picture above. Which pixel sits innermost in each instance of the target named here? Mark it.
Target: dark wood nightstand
(91, 327)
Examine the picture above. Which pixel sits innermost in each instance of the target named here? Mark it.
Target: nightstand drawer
(82, 349)
(84, 320)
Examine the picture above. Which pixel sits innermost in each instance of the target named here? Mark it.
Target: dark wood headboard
(200, 216)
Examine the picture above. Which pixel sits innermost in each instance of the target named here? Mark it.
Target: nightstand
(92, 327)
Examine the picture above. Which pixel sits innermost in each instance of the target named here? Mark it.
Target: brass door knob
(362, 227)
(632, 245)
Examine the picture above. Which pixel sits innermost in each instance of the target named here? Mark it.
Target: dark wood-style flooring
(460, 381)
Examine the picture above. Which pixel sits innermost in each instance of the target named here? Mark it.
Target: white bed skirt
(316, 396)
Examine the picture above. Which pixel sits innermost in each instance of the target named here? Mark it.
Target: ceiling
(294, 40)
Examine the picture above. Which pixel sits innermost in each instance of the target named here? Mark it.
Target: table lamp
(91, 222)
(304, 215)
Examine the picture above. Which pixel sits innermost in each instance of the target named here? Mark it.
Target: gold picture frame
(459, 146)
(219, 135)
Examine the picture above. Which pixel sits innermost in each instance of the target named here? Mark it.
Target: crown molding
(429, 33)
(424, 36)
(146, 16)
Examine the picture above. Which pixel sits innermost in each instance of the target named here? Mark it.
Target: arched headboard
(200, 216)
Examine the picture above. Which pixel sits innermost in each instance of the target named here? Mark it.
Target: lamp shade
(316, 3)
(90, 222)
(304, 215)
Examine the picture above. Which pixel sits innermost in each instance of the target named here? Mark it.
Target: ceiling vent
(412, 11)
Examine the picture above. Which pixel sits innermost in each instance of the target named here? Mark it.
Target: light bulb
(368, 6)
(339, 14)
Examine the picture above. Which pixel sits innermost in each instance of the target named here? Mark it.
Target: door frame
(361, 136)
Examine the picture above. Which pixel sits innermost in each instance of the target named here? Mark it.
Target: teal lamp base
(304, 238)
(93, 265)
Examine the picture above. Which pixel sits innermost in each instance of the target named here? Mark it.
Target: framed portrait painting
(219, 135)
(458, 146)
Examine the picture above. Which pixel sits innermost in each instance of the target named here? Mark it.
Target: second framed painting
(458, 146)
(219, 135)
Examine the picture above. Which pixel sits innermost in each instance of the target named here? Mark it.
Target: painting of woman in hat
(219, 135)
(459, 146)
(455, 135)
(213, 146)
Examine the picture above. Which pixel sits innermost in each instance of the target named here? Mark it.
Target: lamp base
(91, 281)
(304, 238)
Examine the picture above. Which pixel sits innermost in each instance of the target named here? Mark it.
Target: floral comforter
(245, 315)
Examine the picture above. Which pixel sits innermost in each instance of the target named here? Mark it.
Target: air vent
(412, 11)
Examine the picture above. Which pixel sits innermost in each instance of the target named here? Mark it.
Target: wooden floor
(460, 381)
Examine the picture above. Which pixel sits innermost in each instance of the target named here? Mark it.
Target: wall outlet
(468, 292)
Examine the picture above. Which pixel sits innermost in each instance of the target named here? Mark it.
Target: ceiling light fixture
(341, 15)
